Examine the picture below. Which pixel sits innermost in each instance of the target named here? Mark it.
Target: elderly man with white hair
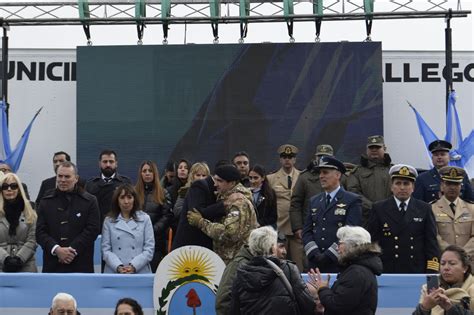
(355, 290)
(63, 304)
(268, 285)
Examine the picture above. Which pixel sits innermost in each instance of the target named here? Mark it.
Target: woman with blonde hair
(17, 227)
(155, 201)
(199, 170)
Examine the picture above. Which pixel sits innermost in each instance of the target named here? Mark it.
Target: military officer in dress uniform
(283, 182)
(405, 227)
(427, 184)
(328, 211)
(454, 216)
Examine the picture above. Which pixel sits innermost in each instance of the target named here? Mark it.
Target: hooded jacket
(355, 290)
(259, 290)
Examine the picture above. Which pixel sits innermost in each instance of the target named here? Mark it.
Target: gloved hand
(194, 216)
(12, 264)
(321, 259)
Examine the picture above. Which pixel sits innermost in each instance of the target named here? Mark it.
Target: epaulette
(433, 201)
(354, 169)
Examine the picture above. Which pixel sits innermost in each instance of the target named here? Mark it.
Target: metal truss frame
(198, 11)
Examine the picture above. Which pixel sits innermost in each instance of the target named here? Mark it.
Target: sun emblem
(404, 171)
(191, 263)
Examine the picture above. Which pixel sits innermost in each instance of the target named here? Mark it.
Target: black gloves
(322, 259)
(12, 264)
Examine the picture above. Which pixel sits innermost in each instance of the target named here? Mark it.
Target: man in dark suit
(405, 227)
(68, 224)
(201, 196)
(427, 185)
(328, 211)
(104, 185)
(50, 183)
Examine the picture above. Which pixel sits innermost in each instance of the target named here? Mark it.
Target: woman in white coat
(128, 241)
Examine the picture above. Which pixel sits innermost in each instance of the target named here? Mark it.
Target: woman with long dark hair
(127, 235)
(181, 178)
(17, 227)
(264, 198)
(156, 202)
(455, 293)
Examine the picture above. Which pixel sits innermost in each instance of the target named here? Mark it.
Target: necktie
(402, 207)
(453, 207)
(328, 200)
(107, 179)
(289, 182)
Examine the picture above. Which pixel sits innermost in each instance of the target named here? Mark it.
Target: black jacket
(104, 191)
(258, 289)
(68, 220)
(265, 210)
(202, 197)
(49, 184)
(355, 290)
(160, 215)
(408, 241)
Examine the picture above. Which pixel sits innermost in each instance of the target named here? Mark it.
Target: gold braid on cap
(404, 171)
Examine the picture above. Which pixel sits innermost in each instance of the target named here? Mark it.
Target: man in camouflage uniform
(233, 230)
(370, 179)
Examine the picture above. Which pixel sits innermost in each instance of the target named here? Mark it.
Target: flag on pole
(14, 159)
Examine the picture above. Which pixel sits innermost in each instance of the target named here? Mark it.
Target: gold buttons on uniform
(411, 247)
(396, 246)
(411, 256)
(324, 229)
(411, 238)
(396, 238)
(396, 255)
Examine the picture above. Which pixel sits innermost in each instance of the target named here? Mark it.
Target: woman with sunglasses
(17, 227)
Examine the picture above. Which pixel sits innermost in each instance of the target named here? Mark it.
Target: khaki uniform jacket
(455, 229)
(279, 182)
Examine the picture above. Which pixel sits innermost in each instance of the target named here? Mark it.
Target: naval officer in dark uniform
(405, 227)
(427, 185)
(328, 211)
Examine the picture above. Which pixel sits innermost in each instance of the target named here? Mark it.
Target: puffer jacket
(160, 215)
(355, 291)
(258, 289)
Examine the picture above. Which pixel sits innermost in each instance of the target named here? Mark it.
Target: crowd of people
(366, 219)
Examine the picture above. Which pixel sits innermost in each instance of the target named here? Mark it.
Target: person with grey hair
(63, 303)
(355, 290)
(268, 285)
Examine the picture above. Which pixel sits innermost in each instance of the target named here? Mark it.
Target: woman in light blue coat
(128, 241)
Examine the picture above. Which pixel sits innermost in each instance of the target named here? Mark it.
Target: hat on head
(228, 173)
(375, 141)
(452, 174)
(324, 149)
(403, 171)
(331, 162)
(439, 145)
(288, 149)
(281, 237)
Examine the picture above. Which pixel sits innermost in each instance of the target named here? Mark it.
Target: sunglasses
(13, 186)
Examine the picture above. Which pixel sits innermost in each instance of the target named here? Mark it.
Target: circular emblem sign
(186, 281)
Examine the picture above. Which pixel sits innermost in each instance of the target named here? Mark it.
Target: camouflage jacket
(233, 230)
